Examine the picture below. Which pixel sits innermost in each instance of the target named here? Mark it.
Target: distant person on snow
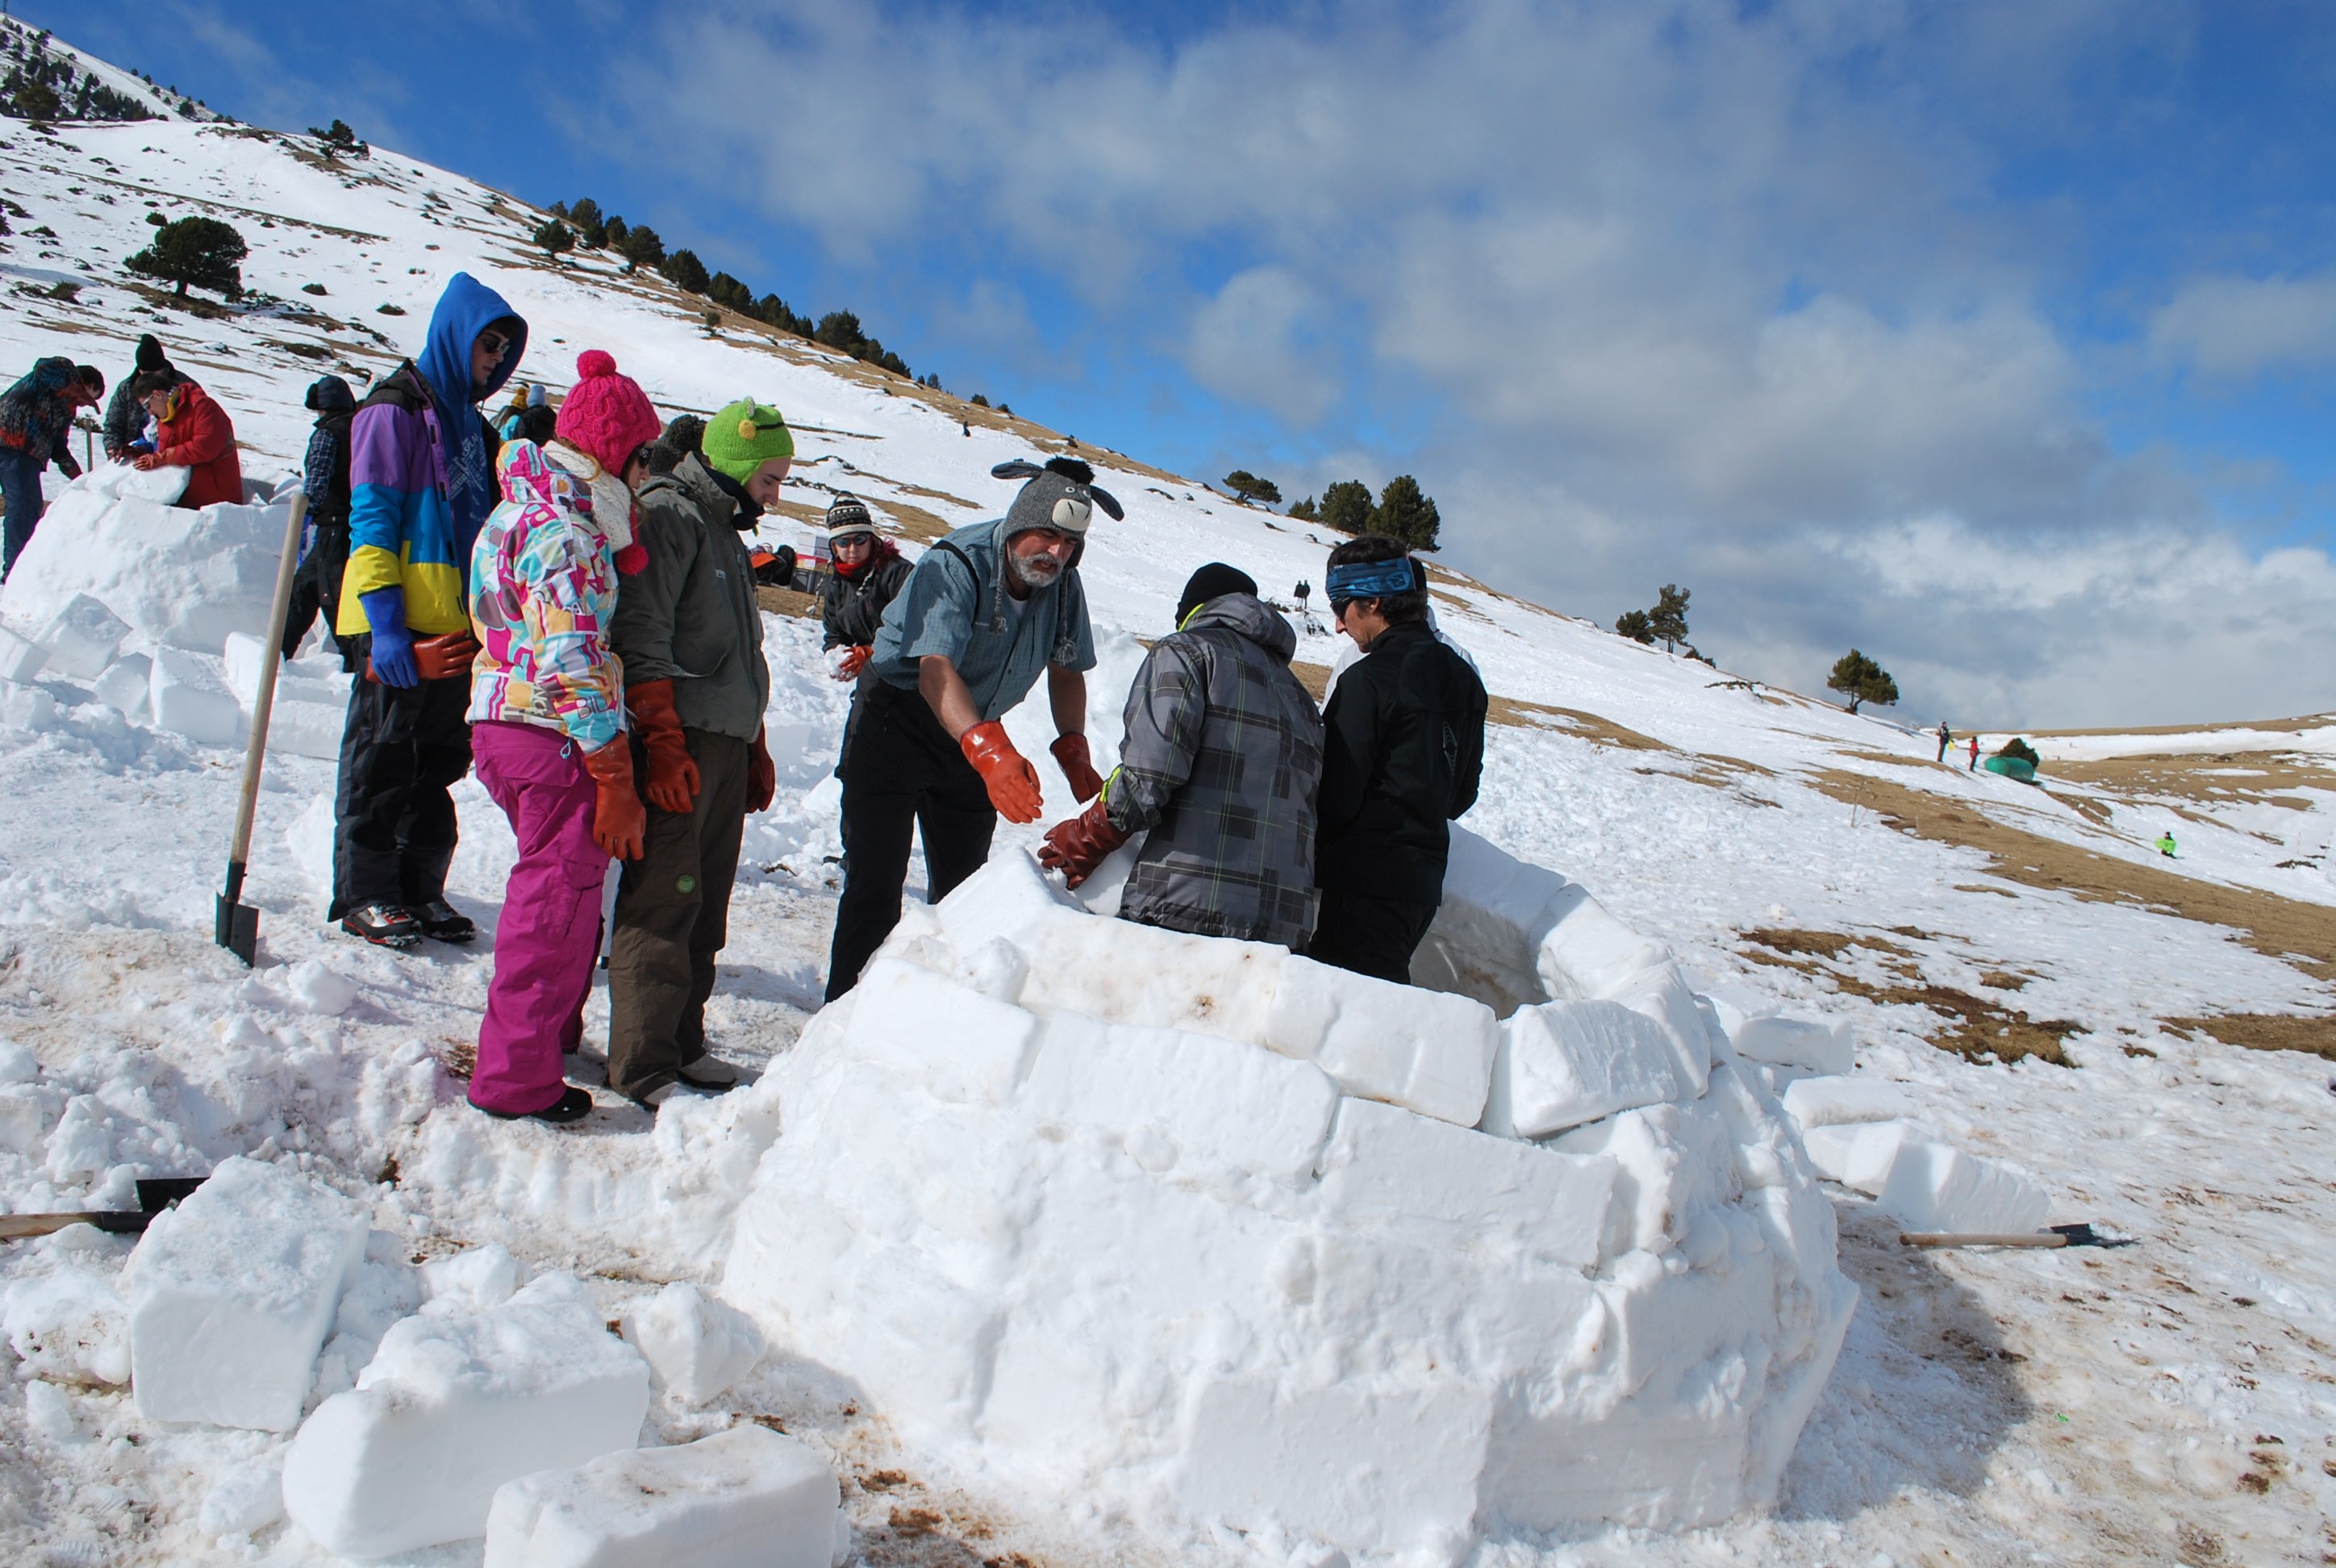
(511, 424)
(985, 612)
(1221, 756)
(1403, 754)
(1946, 739)
(192, 432)
(866, 573)
(2166, 843)
(36, 418)
(548, 727)
(422, 482)
(325, 546)
(125, 434)
(1973, 766)
(696, 686)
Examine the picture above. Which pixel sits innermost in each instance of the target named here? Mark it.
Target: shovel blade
(2084, 1235)
(157, 1193)
(237, 929)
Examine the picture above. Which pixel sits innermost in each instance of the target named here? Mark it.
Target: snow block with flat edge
(1662, 994)
(450, 1408)
(1819, 1045)
(1934, 1187)
(963, 1048)
(1828, 1149)
(1873, 1153)
(1427, 1051)
(186, 698)
(696, 1345)
(182, 577)
(745, 1498)
(21, 658)
(232, 1292)
(1565, 1064)
(127, 687)
(83, 638)
(1835, 1101)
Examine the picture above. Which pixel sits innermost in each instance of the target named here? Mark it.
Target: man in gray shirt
(987, 610)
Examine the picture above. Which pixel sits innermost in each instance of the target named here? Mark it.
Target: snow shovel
(2077, 1235)
(237, 924)
(153, 1196)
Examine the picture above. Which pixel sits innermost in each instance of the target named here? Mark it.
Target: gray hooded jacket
(1222, 754)
(689, 615)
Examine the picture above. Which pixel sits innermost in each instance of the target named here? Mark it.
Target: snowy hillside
(2039, 984)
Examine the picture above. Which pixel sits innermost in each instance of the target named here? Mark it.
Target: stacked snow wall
(1202, 1235)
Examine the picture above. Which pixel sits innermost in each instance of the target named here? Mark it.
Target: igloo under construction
(1203, 1237)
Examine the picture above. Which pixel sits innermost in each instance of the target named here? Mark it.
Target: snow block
(83, 638)
(696, 1346)
(745, 1498)
(1873, 1153)
(69, 1327)
(126, 686)
(178, 577)
(306, 728)
(1662, 994)
(453, 1406)
(1819, 1045)
(1828, 1149)
(21, 658)
(188, 699)
(1427, 1051)
(1837, 1101)
(1934, 1187)
(23, 1120)
(232, 1294)
(962, 1046)
(1564, 1063)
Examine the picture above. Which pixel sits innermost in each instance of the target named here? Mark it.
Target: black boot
(383, 925)
(442, 921)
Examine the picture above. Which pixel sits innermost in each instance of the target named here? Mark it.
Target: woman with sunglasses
(422, 482)
(548, 727)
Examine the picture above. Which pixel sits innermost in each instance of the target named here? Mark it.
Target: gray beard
(1034, 571)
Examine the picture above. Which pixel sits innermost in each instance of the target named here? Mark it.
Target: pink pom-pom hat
(606, 412)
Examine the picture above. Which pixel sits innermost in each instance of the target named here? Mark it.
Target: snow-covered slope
(2155, 1404)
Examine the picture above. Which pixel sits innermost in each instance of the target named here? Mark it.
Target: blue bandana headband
(1372, 579)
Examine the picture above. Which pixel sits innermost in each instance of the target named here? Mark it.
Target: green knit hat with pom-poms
(744, 436)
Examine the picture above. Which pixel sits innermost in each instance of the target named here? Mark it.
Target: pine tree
(641, 247)
(1346, 506)
(613, 232)
(730, 293)
(1861, 680)
(553, 237)
(1668, 619)
(37, 100)
(1404, 512)
(1248, 487)
(980, 401)
(840, 329)
(591, 228)
(336, 135)
(203, 252)
(1305, 511)
(685, 272)
(1634, 625)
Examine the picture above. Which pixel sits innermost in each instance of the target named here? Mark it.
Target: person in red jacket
(192, 432)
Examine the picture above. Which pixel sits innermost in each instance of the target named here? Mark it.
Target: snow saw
(154, 1195)
(237, 924)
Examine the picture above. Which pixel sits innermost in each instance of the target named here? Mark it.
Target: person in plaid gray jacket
(1220, 760)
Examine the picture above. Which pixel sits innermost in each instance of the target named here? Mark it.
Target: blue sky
(1995, 338)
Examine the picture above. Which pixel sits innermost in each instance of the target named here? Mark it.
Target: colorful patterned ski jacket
(544, 591)
(34, 416)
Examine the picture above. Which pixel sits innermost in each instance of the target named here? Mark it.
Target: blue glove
(393, 645)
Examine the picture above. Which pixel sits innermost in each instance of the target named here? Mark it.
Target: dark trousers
(1370, 936)
(20, 491)
(317, 589)
(673, 915)
(404, 748)
(900, 771)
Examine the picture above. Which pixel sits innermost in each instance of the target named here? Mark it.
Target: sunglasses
(494, 343)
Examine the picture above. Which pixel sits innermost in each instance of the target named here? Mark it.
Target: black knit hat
(1213, 580)
(149, 354)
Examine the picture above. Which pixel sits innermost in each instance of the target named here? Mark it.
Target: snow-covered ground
(2160, 1402)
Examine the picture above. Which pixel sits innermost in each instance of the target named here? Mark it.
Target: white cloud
(1258, 342)
(2232, 329)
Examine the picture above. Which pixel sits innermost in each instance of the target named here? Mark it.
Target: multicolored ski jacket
(546, 589)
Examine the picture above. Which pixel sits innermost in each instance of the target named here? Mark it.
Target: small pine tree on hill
(337, 135)
(687, 272)
(1346, 506)
(1305, 511)
(197, 252)
(1861, 680)
(591, 228)
(37, 100)
(641, 247)
(553, 238)
(1408, 513)
(1634, 625)
(1668, 619)
(1248, 487)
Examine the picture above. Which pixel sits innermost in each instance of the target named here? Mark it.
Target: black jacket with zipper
(1403, 753)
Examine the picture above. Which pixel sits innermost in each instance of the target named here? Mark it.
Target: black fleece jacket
(1403, 754)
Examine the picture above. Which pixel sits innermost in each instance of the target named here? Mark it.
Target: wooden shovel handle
(17, 1227)
(2020, 1239)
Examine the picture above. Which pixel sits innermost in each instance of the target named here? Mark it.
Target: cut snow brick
(21, 658)
(1663, 995)
(24, 1119)
(745, 1498)
(696, 1346)
(69, 1327)
(1562, 1064)
(232, 1294)
(1819, 1045)
(1172, 1097)
(127, 687)
(471, 1281)
(958, 1046)
(305, 728)
(184, 578)
(1828, 1148)
(188, 699)
(1934, 1187)
(1873, 1152)
(1386, 1167)
(450, 1408)
(1831, 1102)
(83, 638)
(1427, 1051)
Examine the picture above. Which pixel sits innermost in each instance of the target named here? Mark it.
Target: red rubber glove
(762, 775)
(444, 657)
(855, 659)
(1071, 752)
(673, 771)
(620, 822)
(1007, 774)
(1076, 846)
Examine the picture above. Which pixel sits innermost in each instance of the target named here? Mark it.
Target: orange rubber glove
(620, 822)
(444, 657)
(1076, 846)
(1007, 774)
(673, 771)
(855, 659)
(1078, 766)
(762, 775)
